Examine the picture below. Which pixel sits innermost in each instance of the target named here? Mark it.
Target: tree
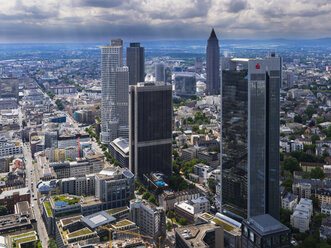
(170, 214)
(212, 185)
(285, 216)
(51, 243)
(310, 110)
(309, 242)
(292, 137)
(314, 137)
(146, 195)
(195, 128)
(297, 119)
(169, 226)
(153, 200)
(291, 164)
(182, 221)
(3, 210)
(282, 122)
(141, 190)
(317, 173)
(287, 183)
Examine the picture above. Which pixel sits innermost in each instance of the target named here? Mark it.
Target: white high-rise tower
(113, 81)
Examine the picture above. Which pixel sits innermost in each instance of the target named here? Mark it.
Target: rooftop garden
(116, 210)
(23, 238)
(71, 200)
(81, 232)
(207, 216)
(48, 209)
(71, 220)
(226, 226)
(122, 223)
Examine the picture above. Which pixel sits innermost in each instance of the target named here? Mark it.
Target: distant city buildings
(160, 72)
(213, 83)
(185, 84)
(150, 123)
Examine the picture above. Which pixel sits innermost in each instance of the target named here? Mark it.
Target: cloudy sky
(100, 20)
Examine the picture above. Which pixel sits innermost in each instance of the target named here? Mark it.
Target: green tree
(146, 195)
(292, 137)
(297, 119)
(282, 122)
(319, 119)
(169, 226)
(314, 137)
(141, 190)
(3, 210)
(212, 184)
(182, 221)
(317, 173)
(285, 216)
(310, 110)
(287, 183)
(309, 242)
(291, 164)
(153, 200)
(195, 128)
(51, 243)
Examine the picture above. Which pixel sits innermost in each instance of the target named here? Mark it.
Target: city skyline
(76, 20)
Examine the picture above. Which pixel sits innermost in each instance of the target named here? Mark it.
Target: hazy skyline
(99, 20)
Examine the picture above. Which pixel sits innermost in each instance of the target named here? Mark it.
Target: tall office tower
(122, 101)
(168, 75)
(150, 128)
(185, 84)
(135, 60)
(250, 137)
(112, 79)
(212, 65)
(198, 65)
(160, 72)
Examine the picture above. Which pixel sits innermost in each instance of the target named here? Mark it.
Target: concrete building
(250, 137)
(115, 80)
(213, 65)
(114, 186)
(10, 148)
(289, 201)
(160, 72)
(264, 231)
(135, 60)
(185, 84)
(189, 209)
(119, 149)
(10, 198)
(302, 190)
(302, 213)
(200, 235)
(9, 88)
(150, 219)
(150, 122)
(326, 208)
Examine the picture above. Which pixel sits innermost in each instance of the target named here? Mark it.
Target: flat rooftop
(98, 219)
(265, 224)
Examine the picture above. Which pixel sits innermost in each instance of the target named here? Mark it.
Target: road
(31, 183)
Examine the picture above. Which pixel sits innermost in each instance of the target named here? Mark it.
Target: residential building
(302, 190)
(250, 137)
(213, 65)
(9, 88)
(135, 60)
(189, 209)
(326, 208)
(300, 220)
(10, 148)
(150, 124)
(168, 199)
(323, 195)
(10, 198)
(264, 231)
(289, 201)
(325, 229)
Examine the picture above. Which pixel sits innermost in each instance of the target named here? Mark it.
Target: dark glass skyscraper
(150, 128)
(135, 60)
(213, 65)
(250, 137)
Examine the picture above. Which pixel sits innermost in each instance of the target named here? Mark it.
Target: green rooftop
(123, 223)
(81, 232)
(207, 216)
(71, 200)
(225, 225)
(23, 238)
(48, 209)
(116, 210)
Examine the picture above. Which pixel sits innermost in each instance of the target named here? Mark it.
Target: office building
(119, 149)
(185, 84)
(198, 65)
(160, 72)
(150, 219)
(150, 134)
(203, 235)
(114, 186)
(115, 81)
(51, 139)
(250, 137)
(264, 231)
(135, 60)
(9, 88)
(212, 65)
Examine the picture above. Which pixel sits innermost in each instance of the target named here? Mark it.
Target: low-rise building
(302, 213)
(264, 231)
(325, 229)
(168, 199)
(302, 190)
(326, 208)
(323, 195)
(289, 201)
(9, 198)
(119, 149)
(189, 209)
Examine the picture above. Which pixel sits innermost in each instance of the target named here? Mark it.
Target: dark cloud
(235, 6)
(99, 3)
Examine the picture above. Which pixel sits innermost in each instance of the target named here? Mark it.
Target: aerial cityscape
(165, 124)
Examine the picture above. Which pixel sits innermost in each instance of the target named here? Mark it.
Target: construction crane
(110, 229)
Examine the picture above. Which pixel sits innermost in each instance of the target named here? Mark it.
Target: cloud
(100, 20)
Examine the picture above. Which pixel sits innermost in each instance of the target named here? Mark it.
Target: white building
(326, 208)
(302, 190)
(300, 221)
(289, 201)
(10, 148)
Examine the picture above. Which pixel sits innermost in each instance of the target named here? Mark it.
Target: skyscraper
(250, 137)
(160, 72)
(150, 128)
(213, 65)
(135, 60)
(115, 82)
